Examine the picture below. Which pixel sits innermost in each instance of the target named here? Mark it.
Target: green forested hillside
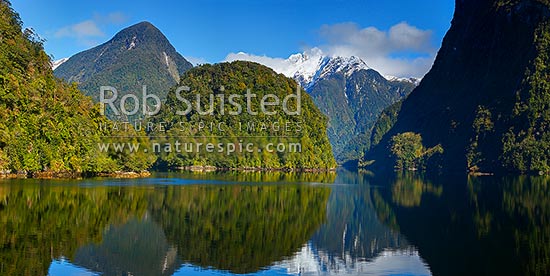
(384, 123)
(486, 101)
(226, 79)
(45, 124)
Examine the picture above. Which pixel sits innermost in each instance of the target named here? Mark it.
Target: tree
(410, 153)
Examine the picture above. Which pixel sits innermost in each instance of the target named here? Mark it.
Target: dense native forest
(46, 124)
(220, 81)
(485, 106)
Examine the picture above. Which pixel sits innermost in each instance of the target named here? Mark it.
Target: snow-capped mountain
(310, 66)
(346, 65)
(58, 62)
(304, 66)
(325, 66)
(301, 66)
(352, 96)
(350, 93)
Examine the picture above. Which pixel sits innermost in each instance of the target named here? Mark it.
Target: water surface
(343, 223)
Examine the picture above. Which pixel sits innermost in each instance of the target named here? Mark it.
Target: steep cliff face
(486, 99)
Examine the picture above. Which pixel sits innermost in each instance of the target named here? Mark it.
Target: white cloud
(86, 28)
(86, 31)
(304, 64)
(278, 64)
(405, 36)
(196, 60)
(401, 51)
(115, 18)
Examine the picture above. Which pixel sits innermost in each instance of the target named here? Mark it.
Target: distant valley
(350, 93)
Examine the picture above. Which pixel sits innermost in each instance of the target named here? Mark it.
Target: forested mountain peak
(136, 56)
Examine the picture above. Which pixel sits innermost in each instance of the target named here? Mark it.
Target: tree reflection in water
(244, 223)
(112, 229)
(465, 225)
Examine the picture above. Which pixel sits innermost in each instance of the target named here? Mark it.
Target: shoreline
(144, 174)
(70, 175)
(250, 169)
(201, 169)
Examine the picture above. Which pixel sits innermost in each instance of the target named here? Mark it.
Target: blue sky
(209, 30)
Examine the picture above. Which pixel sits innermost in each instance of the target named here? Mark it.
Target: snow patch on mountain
(58, 62)
(166, 59)
(304, 67)
(346, 65)
(415, 81)
(133, 43)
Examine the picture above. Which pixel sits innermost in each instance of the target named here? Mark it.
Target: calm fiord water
(276, 224)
